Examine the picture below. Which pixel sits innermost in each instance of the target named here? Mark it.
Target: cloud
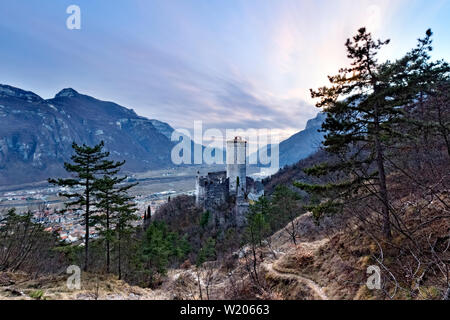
(231, 64)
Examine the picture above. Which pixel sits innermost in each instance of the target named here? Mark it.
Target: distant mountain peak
(303, 143)
(7, 91)
(317, 121)
(67, 92)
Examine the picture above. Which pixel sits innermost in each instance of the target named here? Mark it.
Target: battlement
(216, 188)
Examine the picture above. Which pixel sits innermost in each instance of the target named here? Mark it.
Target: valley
(154, 188)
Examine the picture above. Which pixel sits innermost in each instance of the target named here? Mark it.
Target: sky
(228, 63)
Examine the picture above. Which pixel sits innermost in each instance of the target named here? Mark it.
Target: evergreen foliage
(366, 112)
(88, 164)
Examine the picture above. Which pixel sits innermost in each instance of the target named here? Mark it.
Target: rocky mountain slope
(303, 143)
(36, 134)
(300, 145)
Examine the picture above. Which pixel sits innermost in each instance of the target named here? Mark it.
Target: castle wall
(211, 190)
(241, 210)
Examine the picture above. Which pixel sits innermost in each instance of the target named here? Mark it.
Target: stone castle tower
(217, 188)
(236, 166)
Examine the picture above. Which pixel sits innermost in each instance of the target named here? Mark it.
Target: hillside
(326, 264)
(36, 134)
(329, 262)
(21, 286)
(182, 283)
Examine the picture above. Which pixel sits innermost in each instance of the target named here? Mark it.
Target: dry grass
(93, 287)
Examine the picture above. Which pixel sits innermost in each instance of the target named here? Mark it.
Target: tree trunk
(107, 240)
(119, 271)
(293, 232)
(255, 264)
(382, 179)
(86, 236)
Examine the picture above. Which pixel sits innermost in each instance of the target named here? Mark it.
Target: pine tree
(365, 107)
(125, 211)
(160, 245)
(428, 83)
(438, 114)
(258, 221)
(285, 209)
(88, 164)
(207, 252)
(355, 126)
(258, 228)
(113, 199)
(205, 219)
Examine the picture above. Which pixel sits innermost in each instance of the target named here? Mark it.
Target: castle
(231, 187)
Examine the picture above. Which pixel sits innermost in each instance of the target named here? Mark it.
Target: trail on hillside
(294, 276)
(308, 246)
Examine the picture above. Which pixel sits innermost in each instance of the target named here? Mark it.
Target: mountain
(36, 134)
(304, 143)
(297, 147)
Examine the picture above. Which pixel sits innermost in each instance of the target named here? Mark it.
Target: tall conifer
(88, 163)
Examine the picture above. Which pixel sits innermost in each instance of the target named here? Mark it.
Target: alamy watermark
(74, 280)
(210, 146)
(73, 22)
(374, 280)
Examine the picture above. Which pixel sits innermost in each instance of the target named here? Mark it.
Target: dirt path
(309, 246)
(291, 275)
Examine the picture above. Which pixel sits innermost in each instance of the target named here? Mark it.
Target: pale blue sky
(232, 64)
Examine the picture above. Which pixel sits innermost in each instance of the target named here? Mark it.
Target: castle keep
(231, 187)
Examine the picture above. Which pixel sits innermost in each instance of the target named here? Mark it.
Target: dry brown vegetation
(93, 287)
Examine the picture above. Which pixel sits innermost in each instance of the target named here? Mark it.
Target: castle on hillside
(229, 187)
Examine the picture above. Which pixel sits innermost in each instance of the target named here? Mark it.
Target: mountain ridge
(36, 134)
